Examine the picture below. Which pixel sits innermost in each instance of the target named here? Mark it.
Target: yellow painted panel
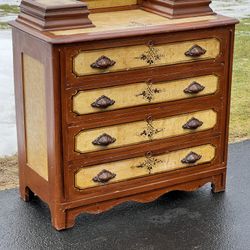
(142, 93)
(143, 131)
(95, 4)
(128, 20)
(128, 169)
(35, 115)
(141, 56)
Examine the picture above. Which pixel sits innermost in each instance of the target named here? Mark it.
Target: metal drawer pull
(194, 88)
(104, 176)
(192, 124)
(102, 62)
(103, 102)
(191, 158)
(195, 51)
(104, 140)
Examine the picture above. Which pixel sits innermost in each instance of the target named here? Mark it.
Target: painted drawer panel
(142, 56)
(142, 93)
(142, 131)
(142, 166)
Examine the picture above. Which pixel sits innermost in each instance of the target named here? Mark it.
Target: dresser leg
(60, 219)
(219, 183)
(26, 194)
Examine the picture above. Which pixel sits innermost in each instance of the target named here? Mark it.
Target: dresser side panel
(35, 115)
(37, 94)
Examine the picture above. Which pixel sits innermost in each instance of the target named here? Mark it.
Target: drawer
(143, 166)
(143, 131)
(143, 93)
(124, 58)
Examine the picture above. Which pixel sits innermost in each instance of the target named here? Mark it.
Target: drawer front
(112, 98)
(143, 166)
(143, 131)
(143, 56)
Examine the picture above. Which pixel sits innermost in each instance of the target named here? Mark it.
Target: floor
(178, 220)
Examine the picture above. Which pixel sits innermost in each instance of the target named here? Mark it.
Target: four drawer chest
(120, 101)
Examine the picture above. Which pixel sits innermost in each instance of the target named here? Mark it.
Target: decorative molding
(53, 15)
(178, 8)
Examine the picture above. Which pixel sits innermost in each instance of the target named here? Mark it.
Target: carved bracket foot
(60, 220)
(219, 183)
(26, 194)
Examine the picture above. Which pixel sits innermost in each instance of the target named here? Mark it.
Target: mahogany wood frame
(65, 202)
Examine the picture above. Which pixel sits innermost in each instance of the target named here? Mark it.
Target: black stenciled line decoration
(150, 130)
(151, 55)
(149, 163)
(150, 92)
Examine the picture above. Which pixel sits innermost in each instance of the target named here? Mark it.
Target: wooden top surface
(127, 20)
(126, 23)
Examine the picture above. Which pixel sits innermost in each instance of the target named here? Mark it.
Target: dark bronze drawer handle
(195, 51)
(104, 176)
(192, 124)
(102, 62)
(103, 140)
(194, 88)
(103, 102)
(191, 158)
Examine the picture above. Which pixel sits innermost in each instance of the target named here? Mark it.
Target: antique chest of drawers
(125, 104)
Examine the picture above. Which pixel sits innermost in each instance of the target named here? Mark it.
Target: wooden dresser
(120, 101)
